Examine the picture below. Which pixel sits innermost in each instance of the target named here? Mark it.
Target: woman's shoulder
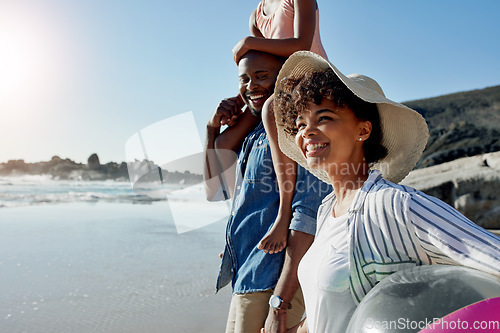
(383, 186)
(390, 196)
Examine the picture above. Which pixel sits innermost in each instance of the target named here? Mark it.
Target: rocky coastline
(66, 169)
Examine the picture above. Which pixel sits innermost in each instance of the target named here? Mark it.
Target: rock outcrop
(470, 184)
(93, 162)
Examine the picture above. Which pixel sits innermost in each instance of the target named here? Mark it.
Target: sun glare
(33, 55)
(34, 69)
(33, 64)
(16, 64)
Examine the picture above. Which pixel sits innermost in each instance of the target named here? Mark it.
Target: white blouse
(324, 278)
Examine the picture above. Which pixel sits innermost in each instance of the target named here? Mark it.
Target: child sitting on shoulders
(281, 27)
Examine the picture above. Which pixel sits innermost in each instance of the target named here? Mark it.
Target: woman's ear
(365, 129)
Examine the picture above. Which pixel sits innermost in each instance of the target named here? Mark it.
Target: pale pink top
(279, 25)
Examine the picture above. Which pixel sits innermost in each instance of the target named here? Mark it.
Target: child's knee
(268, 110)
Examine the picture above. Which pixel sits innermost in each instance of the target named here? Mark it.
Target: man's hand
(276, 321)
(227, 113)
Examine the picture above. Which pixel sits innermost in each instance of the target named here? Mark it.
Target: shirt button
(244, 160)
(232, 214)
(260, 142)
(238, 187)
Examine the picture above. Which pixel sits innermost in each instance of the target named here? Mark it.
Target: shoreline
(108, 267)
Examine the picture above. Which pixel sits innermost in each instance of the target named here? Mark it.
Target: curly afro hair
(298, 92)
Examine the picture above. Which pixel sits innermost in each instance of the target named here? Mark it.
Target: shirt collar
(373, 177)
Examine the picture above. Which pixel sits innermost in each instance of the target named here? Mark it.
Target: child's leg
(285, 169)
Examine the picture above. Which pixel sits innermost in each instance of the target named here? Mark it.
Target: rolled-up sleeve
(303, 221)
(309, 193)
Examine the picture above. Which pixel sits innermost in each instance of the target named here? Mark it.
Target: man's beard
(256, 113)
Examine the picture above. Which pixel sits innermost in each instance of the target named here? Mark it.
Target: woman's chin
(315, 163)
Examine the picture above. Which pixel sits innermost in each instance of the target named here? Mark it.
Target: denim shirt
(254, 210)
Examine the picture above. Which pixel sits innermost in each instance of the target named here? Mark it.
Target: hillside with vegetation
(460, 125)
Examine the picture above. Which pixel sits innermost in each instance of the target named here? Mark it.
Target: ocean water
(36, 190)
(99, 257)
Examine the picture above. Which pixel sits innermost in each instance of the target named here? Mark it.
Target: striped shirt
(398, 227)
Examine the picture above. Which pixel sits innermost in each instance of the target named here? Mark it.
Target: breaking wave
(37, 190)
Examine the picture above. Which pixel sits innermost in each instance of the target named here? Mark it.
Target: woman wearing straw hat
(347, 133)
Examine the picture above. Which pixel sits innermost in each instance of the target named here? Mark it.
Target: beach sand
(104, 267)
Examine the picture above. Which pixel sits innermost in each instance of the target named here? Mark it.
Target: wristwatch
(278, 304)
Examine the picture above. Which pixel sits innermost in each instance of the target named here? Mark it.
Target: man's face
(257, 75)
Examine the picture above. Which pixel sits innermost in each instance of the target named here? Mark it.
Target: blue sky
(81, 77)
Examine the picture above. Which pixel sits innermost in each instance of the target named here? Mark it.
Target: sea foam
(35, 190)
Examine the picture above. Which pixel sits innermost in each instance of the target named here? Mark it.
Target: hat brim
(404, 131)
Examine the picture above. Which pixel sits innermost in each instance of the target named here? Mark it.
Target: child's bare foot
(275, 240)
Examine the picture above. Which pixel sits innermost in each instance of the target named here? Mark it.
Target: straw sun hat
(404, 131)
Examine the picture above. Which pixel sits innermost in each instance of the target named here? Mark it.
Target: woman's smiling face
(329, 135)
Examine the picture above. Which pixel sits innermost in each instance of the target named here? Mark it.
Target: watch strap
(285, 305)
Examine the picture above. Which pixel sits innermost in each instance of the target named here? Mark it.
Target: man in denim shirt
(256, 275)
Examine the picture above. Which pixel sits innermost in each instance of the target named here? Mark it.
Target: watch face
(275, 301)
